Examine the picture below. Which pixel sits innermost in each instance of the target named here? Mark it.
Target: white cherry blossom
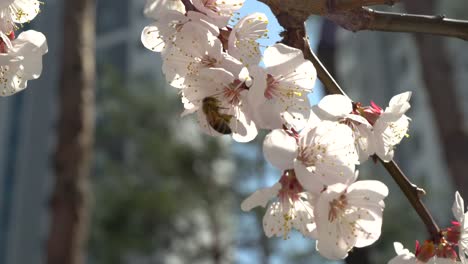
(348, 217)
(279, 92)
(243, 38)
(21, 61)
(292, 209)
(458, 210)
(165, 31)
(14, 12)
(220, 10)
(391, 126)
(196, 51)
(216, 91)
(339, 108)
(326, 155)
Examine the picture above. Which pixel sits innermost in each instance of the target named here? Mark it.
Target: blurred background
(162, 192)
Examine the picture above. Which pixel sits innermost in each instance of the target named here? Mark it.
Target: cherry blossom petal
(280, 149)
(326, 156)
(458, 207)
(388, 135)
(336, 105)
(243, 38)
(260, 197)
(154, 8)
(220, 10)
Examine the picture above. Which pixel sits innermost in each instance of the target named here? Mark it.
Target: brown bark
(326, 49)
(438, 77)
(368, 19)
(301, 9)
(69, 202)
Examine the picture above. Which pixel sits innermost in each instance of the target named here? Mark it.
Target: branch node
(353, 20)
(420, 191)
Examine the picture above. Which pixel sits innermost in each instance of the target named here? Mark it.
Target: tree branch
(301, 9)
(368, 19)
(412, 192)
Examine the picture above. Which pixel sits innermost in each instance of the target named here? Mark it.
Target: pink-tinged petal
(337, 106)
(280, 149)
(260, 197)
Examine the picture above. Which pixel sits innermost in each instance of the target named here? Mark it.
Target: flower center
(337, 207)
(275, 90)
(232, 92)
(309, 154)
(290, 187)
(370, 113)
(272, 87)
(208, 61)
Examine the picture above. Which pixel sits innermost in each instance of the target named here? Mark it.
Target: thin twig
(368, 19)
(324, 76)
(412, 192)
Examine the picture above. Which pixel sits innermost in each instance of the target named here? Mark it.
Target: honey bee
(218, 121)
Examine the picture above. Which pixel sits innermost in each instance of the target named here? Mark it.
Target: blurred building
(28, 119)
(26, 144)
(119, 26)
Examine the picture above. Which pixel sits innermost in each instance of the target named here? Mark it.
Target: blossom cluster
(442, 251)
(235, 89)
(21, 56)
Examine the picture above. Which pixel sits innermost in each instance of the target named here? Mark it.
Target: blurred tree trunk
(69, 203)
(326, 48)
(438, 76)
